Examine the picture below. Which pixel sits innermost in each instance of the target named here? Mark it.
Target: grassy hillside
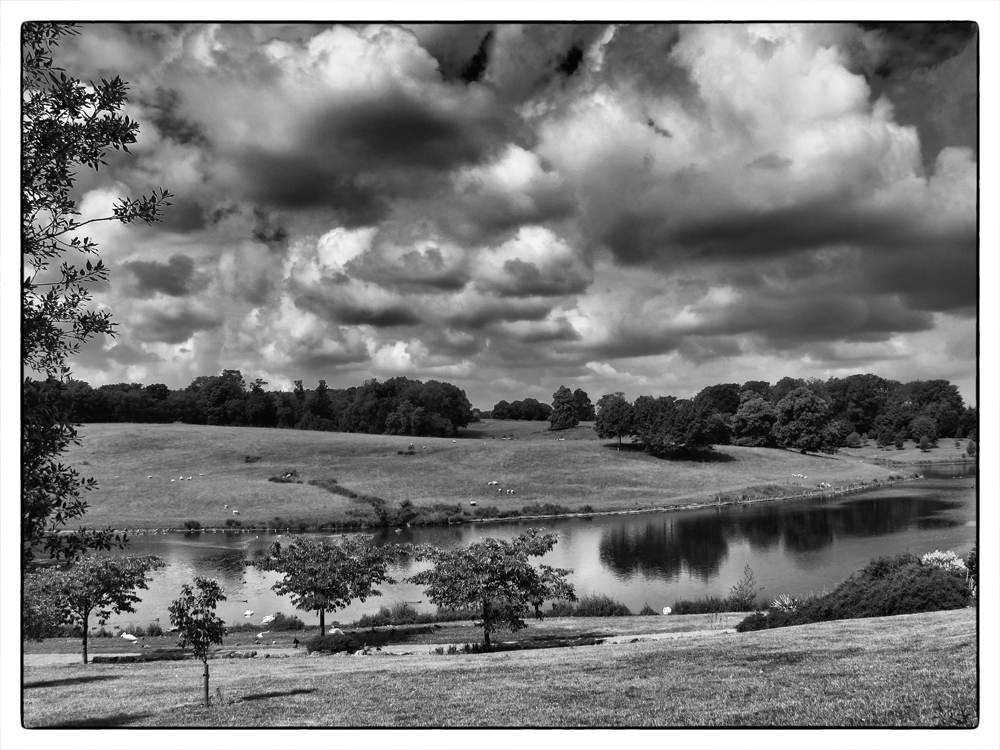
(912, 670)
(575, 471)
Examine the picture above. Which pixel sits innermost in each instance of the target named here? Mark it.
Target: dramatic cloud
(512, 207)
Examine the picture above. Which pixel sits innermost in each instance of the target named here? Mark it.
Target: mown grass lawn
(576, 472)
(907, 671)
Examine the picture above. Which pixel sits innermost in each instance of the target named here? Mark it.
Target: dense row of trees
(397, 406)
(805, 415)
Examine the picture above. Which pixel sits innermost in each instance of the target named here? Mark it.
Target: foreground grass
(576, 472)
(913, 670)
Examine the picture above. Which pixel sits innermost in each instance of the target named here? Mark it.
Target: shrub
(972, 563)
(743, 595)
(600, 605)
(706, 605)
(887, 586)
(947, 560)
(785, 603)
(561, 609)
(647, 610)
(333, 644)
(971, 448)
(251, 459)
(587, 509)
(286, 622)
(192, 525)
(154, 629)
(284, 479)
(853, 440)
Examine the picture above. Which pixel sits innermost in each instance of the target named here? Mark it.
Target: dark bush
(600, 605)
(887, 586)
(647, 610)
(587, 509)
(561, 609)
(286, 622)
(192, 525)
(284, 479)
(154, 629)
(705, 605)
(251, 459)
(972, 564)
(333, 644)
(487, 511)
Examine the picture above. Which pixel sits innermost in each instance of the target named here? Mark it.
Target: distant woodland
(809, 415)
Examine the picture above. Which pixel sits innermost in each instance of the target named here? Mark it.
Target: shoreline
(732, 498)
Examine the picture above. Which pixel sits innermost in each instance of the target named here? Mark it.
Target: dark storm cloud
(412, 271)
(183, 216)
(300, 181)
(398, 131)
(928, 71)
(786, 321)
(174, 327)
(568, 65)
(909, 46)
(163, 113)
(477, 317)
(771, 161)
(171, 278)
(344, 310)
(640, 55)
(127, 354)
(265, 231)
(524, 279)
(455, 46)
(473, 70)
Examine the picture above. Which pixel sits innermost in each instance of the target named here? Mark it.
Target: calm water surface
(793, 546)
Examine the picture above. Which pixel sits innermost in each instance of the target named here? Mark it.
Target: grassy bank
(571, 469)
(913, 670)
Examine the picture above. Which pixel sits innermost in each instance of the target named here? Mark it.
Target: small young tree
(320, 575)
(970, 448)
(494, 576)
(93, 585)
(194, 616)
(925, 443)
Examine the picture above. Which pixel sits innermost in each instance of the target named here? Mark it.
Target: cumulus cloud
(670, 205)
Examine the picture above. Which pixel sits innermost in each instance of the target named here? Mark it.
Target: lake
(793, 547)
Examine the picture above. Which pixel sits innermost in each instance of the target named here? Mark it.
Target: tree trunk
(207, 702)
(619, 443)
(486, 623)
(86, 617)
(322, 621)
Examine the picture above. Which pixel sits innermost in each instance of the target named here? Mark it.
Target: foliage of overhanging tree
(93, 585)
(193, 614)
(496, 578)
(320, 575)
(65, 126)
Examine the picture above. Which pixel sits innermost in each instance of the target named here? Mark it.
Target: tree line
(809, 415)
(397, 406)
(806, 415)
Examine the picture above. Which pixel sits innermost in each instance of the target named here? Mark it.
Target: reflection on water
(793, 546)
(698, 542)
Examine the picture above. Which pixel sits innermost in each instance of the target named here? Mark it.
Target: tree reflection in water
(697, 543)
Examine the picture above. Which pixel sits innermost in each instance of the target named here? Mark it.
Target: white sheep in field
(236, 512)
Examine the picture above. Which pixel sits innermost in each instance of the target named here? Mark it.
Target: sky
(641, 208)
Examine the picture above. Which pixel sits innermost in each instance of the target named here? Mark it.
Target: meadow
(905, 671)
(135, 463)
